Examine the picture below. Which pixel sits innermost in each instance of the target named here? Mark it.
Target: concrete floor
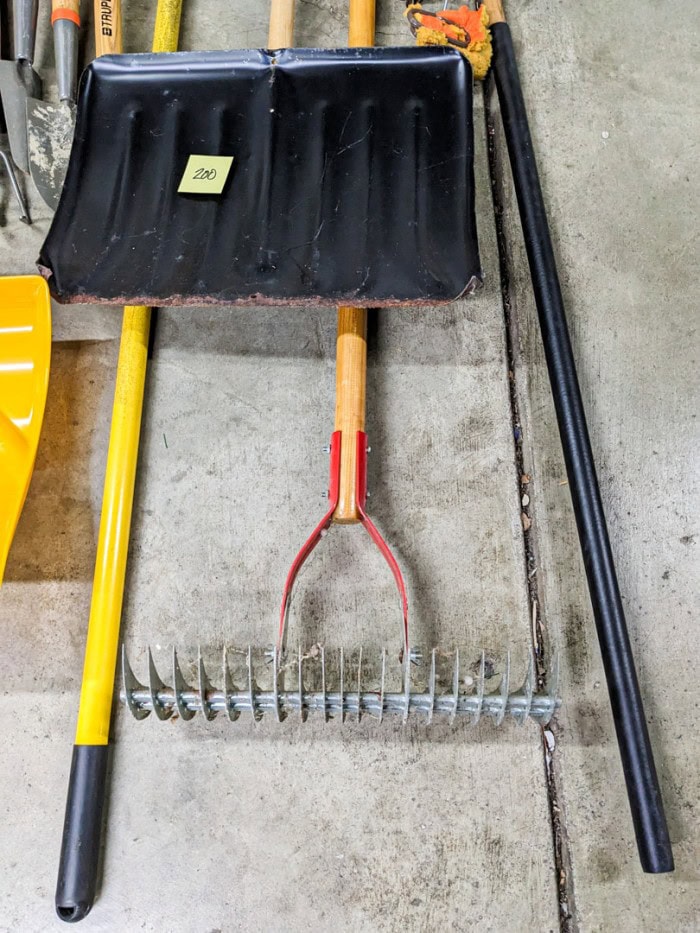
(230, 827)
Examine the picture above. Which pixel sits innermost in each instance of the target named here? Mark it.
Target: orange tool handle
(351, 346)
(65, 9)
(108, 27)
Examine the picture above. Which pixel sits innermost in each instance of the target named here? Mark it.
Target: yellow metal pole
(102, 644)
(87, 786)
(113, 542)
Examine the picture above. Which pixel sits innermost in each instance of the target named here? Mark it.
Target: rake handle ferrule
(643, 788)
(82, 831)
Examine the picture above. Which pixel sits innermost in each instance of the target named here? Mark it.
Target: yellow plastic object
(25, 360)
(102, 644)
(113, 541)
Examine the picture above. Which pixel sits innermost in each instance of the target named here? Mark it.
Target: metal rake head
(339, 685)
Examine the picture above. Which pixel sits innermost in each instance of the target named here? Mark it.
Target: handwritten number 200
(205, 173)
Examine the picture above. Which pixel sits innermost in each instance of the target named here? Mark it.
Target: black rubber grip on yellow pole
(82, 831)
(643, 790)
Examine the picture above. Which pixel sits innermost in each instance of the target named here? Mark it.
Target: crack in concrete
(560, 841)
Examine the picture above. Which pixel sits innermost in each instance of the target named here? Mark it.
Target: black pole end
(82, 833)
(74, 913)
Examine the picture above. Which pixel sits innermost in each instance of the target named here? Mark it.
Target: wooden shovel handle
(350, 390)
(281, 30)
(108, 27)
(362, 18)
(351, 346)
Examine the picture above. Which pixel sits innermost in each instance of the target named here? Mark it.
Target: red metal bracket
(373, 531)
(314, 538)
(327, 521)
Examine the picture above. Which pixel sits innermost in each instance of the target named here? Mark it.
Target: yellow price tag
(205, 174)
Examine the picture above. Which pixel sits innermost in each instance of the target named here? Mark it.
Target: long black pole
(625, 699)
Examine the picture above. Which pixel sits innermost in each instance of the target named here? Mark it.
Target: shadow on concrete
(57, 532)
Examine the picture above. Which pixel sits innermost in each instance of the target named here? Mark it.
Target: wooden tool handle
(281, 30)
(351, 347)
(495, 10)
(363, 14)
(65, 9)
(108, 27)
(350, 389)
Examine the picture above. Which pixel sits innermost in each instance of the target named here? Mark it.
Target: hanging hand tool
(643, 788)
(25, 359)
(18, 80)
(82, 831)
(50, 126)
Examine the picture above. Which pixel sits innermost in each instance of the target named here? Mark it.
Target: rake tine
(180, 688)
(480, 688)
(431, 686)
(155, 685)
(455, 688)
(505, 690)
(131, 684)
(406, 685)
(302, 713)
(204, 688)
(382, 686)
(275, 683)
(342, 686)
(229, 687)
(359, 686)
(528, 690)
(251, 684)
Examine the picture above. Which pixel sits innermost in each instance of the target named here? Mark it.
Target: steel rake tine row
(330, 698)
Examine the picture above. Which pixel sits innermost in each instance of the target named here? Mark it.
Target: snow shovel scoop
(25, 356)
(298, 184)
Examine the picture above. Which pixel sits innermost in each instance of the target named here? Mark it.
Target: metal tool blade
(18, 84)
(50, 129)
(334, 683)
